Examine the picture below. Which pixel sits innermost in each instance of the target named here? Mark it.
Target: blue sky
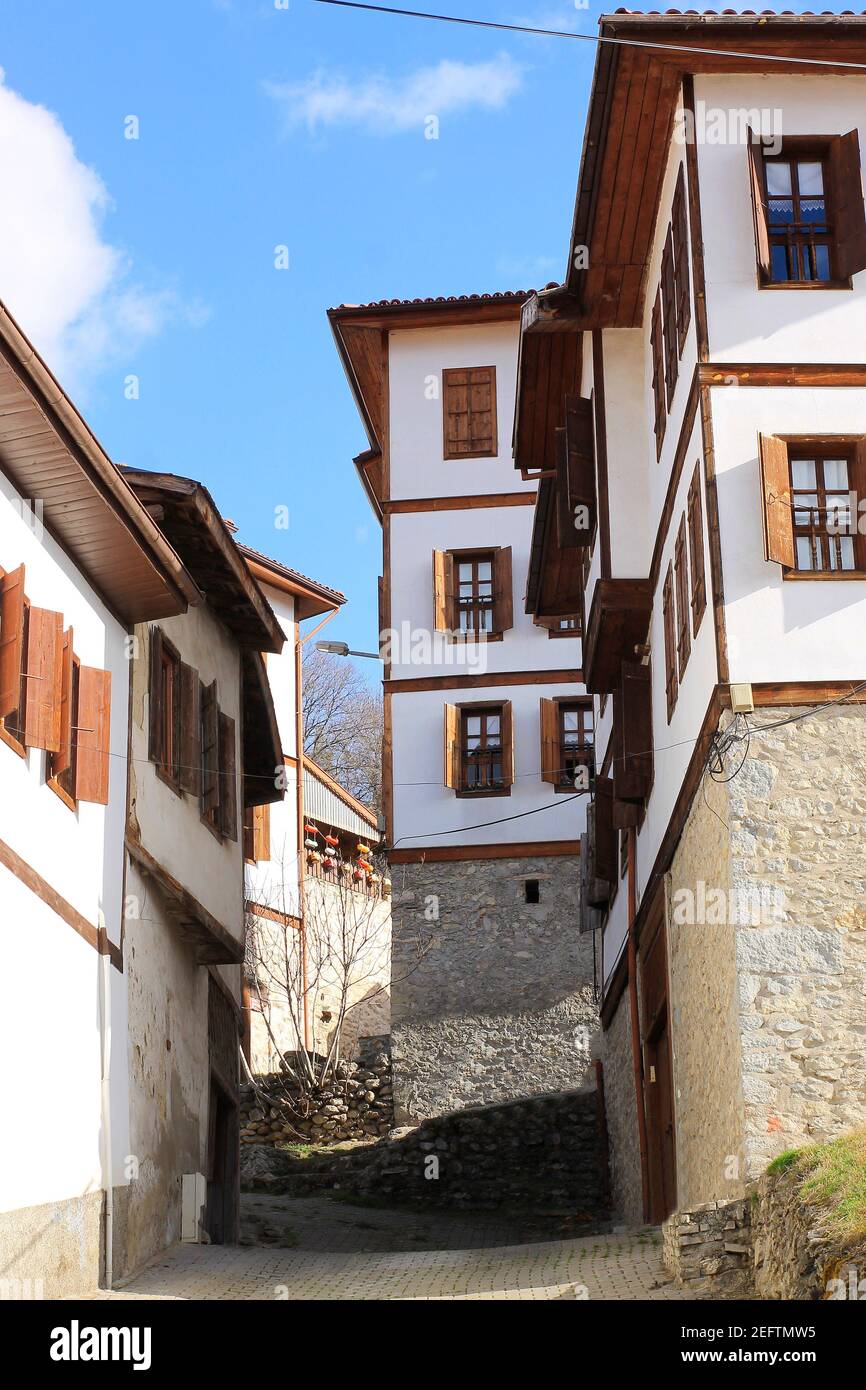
(261, 127)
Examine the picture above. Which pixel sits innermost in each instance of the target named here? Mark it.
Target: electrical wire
(482, 825)
(594, 38)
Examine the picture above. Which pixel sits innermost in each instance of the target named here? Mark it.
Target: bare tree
(343, 725)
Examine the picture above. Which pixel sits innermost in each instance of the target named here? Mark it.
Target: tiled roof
(744, 14)
(433, 300)
(292, 574)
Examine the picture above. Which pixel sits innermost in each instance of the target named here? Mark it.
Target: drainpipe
(302, 859)
(635, 1019)
(105, 968)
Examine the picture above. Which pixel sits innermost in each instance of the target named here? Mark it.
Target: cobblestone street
(347, 1253)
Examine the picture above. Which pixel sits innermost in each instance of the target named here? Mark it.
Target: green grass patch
(832, 1176)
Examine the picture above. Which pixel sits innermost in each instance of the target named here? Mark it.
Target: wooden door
(658, 1089)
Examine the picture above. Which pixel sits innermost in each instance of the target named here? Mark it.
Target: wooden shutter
(262, 832)
(62, 760)
(760, 210)
(93, 733)
(506, 725)
(503, 599)
(776, 494)
(575, 474)
(469, 412)
(44, 678)
(605, 834)
(11, 640)
(550, 759)
(210, 790)
(671, 684)
(189, 772)
(696, 549)
(681, 574)
(681, 260)
(443, 591)
(847, 212)
(658, 373)
(380, 590)
(155, 709)
(633, 769)
(669, 310)
(453, 760)
(228, 795)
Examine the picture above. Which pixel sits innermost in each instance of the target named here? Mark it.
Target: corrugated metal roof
(328, 809)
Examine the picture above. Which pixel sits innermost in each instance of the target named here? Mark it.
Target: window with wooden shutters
(681, 260)
(658, 365)
(472, 591)
(696, 549)
(165, 708)
(671, 683)
(43, 679)
(486, 758)
(228, 783)
(681, 580)
(808, 211)
(824, 476)
(633, 760)
(13, 644)
(567, 753)
(669, 312)
(93, 730)
(575, 475)
(469, 412)
(210, 789)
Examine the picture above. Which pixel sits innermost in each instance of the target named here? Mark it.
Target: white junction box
(193, 1198)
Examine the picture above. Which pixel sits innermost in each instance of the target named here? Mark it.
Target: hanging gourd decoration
(310, 829)
(357, 873)
(332, 841)
(313, 856)
(362, 864)
(362, 848)
(310, 843)
(329, 862)
(386, 887)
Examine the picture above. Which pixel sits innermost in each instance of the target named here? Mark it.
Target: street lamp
(343, 649)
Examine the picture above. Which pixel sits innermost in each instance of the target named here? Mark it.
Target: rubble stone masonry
(492, 996)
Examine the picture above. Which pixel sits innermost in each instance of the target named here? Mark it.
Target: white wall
(781, 630)
(418, 468)
(745, 323)
(50, 1017)
(424, 807)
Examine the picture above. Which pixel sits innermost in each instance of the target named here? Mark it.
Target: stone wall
(543, 1154)
(794, 1255)
(798, 822)
(492, 997)
(703, 996)
(620, 1103)
(354, 1103)
(710, 1247)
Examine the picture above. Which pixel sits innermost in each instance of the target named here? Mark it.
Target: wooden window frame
(694, 507)
(488, 444)
(658, 374)
(845, 217)
(681, 586)
(503, 709)
(820, 451)
(669, 318)
(446, 597)
(682, 277)
(554, 631)
(670, 641)
(564, 704)
(776, 453)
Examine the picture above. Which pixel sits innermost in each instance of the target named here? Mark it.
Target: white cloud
(70, 289)
(386, 105)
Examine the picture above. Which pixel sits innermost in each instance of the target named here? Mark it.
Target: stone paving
(369, 1263)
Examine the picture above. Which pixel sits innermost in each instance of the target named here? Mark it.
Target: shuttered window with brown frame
(808, 210)
(669, 311)
(228, 784)
(696, 549)
(567, 753)
(469, 412)
(472, 592)
(479, 748)
(658, 365)
(824, 475)
(681, 581)
(671, 684)
(681, 260)
(210, 789)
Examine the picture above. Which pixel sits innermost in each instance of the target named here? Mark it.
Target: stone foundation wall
(620, 1105)
(702, 964)
(794, 1256)
(355, 1103)
(710, 1247)
(492, 998)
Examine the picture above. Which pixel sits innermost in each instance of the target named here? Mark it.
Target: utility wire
(593, 38)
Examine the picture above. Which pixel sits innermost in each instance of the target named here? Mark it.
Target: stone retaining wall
(500, 1003)
(710, 1247)
(355, 1103)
